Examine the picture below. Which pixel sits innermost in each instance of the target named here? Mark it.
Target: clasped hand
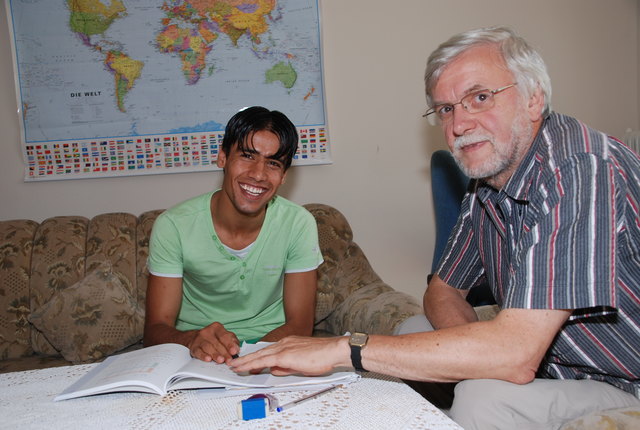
(214, 343)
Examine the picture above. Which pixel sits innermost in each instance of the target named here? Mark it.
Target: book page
(145, 370)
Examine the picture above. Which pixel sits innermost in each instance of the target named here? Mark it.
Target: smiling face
(252, 177)
(488, 145)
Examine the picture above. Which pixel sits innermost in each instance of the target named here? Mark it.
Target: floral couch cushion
(16, 240)
(92, 319)
(58, 261)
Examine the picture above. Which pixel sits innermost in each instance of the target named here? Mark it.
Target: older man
(552, 224)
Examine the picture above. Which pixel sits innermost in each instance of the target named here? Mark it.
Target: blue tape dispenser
(256, 406)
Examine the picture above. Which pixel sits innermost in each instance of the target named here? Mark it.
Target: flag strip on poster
(175, 153)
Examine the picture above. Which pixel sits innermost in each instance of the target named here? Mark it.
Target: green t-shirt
(243, 294)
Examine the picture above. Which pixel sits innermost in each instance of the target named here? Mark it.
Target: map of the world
(146, 86)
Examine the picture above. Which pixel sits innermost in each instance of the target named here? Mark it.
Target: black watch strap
(357, 341)
(356, 357)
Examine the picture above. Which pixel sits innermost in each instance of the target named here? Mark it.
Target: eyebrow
(252, 151)
(473, 89)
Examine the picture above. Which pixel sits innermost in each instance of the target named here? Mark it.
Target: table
(373, 402)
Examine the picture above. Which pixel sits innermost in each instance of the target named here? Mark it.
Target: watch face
(359, 339)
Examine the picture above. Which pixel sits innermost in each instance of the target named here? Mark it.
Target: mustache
(462, 141)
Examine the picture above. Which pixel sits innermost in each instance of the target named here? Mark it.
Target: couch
(72, 289)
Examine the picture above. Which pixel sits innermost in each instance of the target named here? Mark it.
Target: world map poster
(130, 87)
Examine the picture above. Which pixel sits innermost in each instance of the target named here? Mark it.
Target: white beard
(505, 155)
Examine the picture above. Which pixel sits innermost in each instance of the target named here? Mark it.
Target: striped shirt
(564, 233)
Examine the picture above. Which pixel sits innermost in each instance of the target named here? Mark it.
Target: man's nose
(258, 170)
(462, 121)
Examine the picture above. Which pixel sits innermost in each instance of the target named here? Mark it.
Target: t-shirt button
(244, 264)
(233, 258)
(241, 276)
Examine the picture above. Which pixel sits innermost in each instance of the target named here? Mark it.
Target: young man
(552, 224)
(238, 264)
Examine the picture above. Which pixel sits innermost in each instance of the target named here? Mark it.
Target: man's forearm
(509, 347)
(447, 355)
(445, 306)
(299, 301)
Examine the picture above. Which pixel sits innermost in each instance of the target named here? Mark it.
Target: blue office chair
(448, 186)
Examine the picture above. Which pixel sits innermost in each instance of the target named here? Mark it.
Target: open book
(165, 367)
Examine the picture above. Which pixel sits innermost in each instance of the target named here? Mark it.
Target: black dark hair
(244, 124)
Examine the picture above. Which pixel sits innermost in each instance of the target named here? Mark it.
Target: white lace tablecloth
(373, 402)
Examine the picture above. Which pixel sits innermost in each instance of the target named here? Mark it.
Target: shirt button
(241, 276)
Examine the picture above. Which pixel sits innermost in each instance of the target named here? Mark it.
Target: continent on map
(284, 73)
(190, 28)
(89, 18)
(126, 70)
(189, 45)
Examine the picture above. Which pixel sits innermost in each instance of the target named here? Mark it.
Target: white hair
(527, 66)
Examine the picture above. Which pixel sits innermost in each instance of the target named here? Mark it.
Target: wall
(374, 56)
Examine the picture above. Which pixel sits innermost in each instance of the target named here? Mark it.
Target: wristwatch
(357, 341)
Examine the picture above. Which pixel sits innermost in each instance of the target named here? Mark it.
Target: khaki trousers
(542, 404)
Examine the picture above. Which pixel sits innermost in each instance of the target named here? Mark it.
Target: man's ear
(222, 159)
(536, 105)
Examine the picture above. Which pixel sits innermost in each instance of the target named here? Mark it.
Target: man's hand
(214, 343)
(296, 354)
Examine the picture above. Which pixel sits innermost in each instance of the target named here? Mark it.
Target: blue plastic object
(256, 406)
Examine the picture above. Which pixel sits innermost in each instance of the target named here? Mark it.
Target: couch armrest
(375, 308)
(351, 295)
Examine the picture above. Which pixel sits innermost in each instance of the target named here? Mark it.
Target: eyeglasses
(475, 102)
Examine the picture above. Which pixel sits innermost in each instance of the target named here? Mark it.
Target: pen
(305, 398)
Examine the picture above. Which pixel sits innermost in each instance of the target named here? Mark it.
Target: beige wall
(374, 56)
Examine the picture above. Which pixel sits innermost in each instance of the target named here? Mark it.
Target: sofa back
(38, 260)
